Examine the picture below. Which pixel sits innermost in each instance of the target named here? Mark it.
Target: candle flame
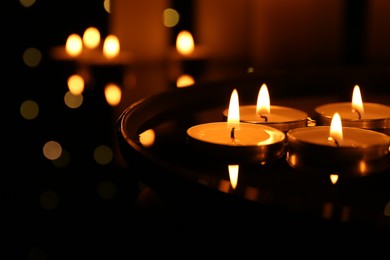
(336, 129)
(233, 174)
(263, 101)
(111, 46)
(233, 118)
(357, 103)
(185, 43)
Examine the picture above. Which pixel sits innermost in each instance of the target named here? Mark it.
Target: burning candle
(366, 115)
(280, 117)
(233, 140)
(339, 150)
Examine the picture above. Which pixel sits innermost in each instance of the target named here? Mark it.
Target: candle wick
(334, 140)
(232, 134)
(357, 111)
(265, 117)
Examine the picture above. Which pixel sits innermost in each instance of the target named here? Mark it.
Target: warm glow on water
(27, 3)
(76, 84)
(111, 46)
(185, 80)
(233, 174)
(363, 167)
(113, 94)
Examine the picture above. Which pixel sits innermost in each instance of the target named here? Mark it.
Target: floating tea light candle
(338, 150)
(280, 117)
(235, 141)
(366, 115)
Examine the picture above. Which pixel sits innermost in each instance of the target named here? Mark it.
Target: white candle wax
(246, 143)
(280, 117)
(352, 137)
(278, 114)
(371, 111)
(245, 134)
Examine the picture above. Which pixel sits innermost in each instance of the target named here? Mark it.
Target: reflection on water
(330, 196)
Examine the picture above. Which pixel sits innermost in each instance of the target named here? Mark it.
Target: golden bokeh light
(185, 43)
(73, 101)
(29, 109)
(74, 45)
(103, 154)
(170, 17)
(111, 46)
(52, 150)
(113, 94)
(76, 84)
(107, 5)
(32, 57)
(147, 138)
(91, 37)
